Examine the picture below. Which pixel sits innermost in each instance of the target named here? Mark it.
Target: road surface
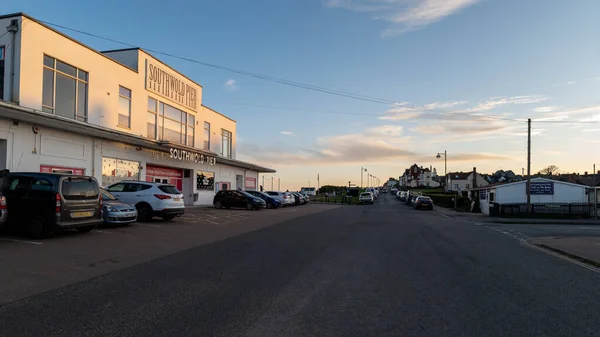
(380, 270)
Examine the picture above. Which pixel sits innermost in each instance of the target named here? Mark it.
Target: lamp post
(439, 155)
(362, 169)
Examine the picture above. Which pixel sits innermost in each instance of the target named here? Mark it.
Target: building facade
(417, 176)
(114, 115)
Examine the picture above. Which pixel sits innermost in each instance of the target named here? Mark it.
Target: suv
(286, 198)
(150, 199)
(230, 198)
(42, 203)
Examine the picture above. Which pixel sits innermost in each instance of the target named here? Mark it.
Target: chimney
(474, 177)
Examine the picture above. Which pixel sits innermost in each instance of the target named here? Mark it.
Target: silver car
(116, 211)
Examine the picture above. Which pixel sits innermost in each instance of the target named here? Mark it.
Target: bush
(447, 201)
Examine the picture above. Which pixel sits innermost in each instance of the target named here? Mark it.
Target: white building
(114, 115)
(417, 176)
(463, 181)
(543, 191)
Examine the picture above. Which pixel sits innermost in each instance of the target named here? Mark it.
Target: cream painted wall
(217, 123)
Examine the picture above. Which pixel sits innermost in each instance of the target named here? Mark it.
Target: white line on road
(22, 241)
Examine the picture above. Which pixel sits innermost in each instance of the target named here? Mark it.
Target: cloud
(404, 15)
(231, 85)
(495, 102)
(542, 109)
(403, 112)
(288, 133)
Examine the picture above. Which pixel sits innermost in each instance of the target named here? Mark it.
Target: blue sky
(459, 59)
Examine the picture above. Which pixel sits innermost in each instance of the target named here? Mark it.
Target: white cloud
(542, 109)
(231, 85)
(403, 112)
(288, 133)
(495, 102)
(405, 15)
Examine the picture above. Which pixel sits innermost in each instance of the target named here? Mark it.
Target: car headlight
(108, 208)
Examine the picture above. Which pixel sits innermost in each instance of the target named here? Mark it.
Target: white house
(417, 176)
(120, 114)
(542, 191)
(463, 181)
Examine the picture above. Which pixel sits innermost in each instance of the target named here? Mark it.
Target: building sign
(205, 180)
(61, 169)
(250, 183)
(167, 85)
(541, 188)
(184, 155)
(483, 194)
(167, 172)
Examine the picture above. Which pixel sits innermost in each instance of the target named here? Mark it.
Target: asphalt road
(381, 270)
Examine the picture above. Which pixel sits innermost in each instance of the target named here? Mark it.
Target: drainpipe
(13, 29)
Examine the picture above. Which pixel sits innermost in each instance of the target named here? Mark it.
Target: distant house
(463, 181)
(417, 176)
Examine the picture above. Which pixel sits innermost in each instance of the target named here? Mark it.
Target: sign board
(62, 169)
(541, 188)
(167, 172)
(483, 194)
(184, 155)
(173, 87)
(250, 183)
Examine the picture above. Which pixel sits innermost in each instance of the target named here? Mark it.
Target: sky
(423, 76)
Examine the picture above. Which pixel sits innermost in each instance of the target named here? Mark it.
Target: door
(239, 181)
(238, 199)
(126, 192)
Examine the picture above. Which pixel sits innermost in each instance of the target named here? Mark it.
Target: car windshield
(247, 194)
(106, 195)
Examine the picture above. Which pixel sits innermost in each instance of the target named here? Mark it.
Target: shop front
(165, 175)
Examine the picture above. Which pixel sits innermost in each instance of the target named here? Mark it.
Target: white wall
(563, 193)
(217, 122)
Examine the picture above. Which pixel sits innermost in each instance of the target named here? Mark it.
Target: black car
(271, 202)
(42, 203)
(231, 198)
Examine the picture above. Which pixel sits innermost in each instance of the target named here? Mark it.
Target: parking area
(28, 266)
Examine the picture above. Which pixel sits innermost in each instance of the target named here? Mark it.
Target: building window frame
(226, 143)
(207, 136)
(152, 114)
(125, 96)
(81, 77)
(186, 123)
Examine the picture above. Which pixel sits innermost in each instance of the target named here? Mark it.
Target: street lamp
(362, 169)
(439, 155)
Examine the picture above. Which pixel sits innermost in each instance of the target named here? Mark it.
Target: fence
(543, 209)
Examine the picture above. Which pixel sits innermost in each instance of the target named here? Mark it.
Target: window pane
(151, 125)
(172, 131)
(65, 68)
(190, 136)
(82, 99)
(172, 113)
(65, 96)
(206, 139)
(48, 61)
(123, 120)
(191, 120)
(124, 92)
(48, 110)
(124, 106)
(82, 75)
(183, 118)
(159, 127)
(48, 90)
(151, 104)
(207, 125)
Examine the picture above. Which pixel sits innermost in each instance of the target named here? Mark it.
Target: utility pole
(595, 194)
(271, 183)
(529, 165)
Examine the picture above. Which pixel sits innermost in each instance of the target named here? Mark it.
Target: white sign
(170, 86)
(184, 155)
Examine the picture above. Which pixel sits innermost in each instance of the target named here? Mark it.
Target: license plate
(81, 214)
(176, 199)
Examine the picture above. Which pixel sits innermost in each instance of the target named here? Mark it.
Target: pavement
(586, 249)
(373, 270)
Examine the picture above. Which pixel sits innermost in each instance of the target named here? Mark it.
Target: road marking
(560, 256)
(22, 241)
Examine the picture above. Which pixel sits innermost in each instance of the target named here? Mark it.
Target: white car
(286, 198)
(150, 199)
(366, 198)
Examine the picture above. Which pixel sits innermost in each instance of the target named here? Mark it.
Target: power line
(308, 86)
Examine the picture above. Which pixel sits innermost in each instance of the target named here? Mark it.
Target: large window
(205, 180)
(2, 52)
(225, 143)
(124, 107)
(207, 136)
(172, 124)
(65, 90)
(151, 119)
(115, 170)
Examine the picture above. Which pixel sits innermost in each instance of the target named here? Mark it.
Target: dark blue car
(271, 202)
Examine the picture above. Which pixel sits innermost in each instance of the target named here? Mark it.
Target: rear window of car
(169, 189)
(79, 189)
(365, 194)
(272, 193)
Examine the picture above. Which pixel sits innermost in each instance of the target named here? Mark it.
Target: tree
(550, 170)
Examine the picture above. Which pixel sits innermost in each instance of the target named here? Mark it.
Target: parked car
(373, 191)
(231, 198)
(286, 198)
(305, 196)
(423, 203)
(3, 211)
(298, 198)
(366, 198)
(150, 199)
(116, 211)
(42, 203)
(270, 201)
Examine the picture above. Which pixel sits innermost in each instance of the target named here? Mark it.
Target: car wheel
(168, 217)
(144, 212)
(85, 229)
(37, 229)
(249, 206)
(218, 204)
